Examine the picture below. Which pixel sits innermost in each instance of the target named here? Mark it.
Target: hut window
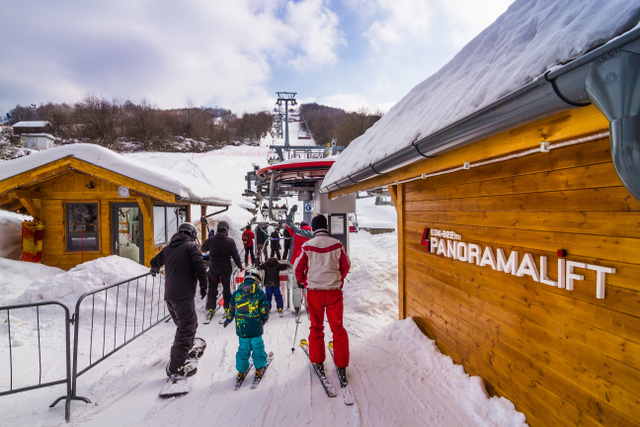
(82, 227)
(166, 220)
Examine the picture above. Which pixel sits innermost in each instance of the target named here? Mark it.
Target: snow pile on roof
(31, 124)
(193, 187)
(530, 38)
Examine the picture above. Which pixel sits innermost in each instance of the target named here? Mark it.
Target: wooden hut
(95, 203)
(519, 222)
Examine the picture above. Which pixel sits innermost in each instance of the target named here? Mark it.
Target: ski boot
(189, 368)
(319, 367)
(260, 371)
(209, 315)
(342, 376)
(280, 312)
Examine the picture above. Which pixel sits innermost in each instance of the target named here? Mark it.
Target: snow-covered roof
(41, 135)
(31, 124)
(189, 188)
(530, 38)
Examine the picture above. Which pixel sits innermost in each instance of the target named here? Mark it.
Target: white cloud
(399, 21)
(315, 33)
(210, 52)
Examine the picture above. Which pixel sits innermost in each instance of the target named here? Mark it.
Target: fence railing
(104, 321)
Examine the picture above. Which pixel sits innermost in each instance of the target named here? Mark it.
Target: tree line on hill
(328, 123)
(127, 126)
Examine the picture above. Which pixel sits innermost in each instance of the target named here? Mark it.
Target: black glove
(226, 322)
(294, 208)
(154, 271)
(300, 285)
(203, 291)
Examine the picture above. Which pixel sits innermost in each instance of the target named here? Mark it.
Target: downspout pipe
(613, 85)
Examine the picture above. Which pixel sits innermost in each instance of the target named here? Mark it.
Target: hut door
(127, 236)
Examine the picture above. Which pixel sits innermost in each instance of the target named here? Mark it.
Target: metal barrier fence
(105, 320)
(22, 361)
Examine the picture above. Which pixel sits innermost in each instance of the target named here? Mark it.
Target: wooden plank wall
(562, 357)
(70, 187)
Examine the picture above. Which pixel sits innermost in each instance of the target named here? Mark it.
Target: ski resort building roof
(186, 188)
(515, 71)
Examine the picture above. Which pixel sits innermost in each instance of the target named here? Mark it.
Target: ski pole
(293, 347)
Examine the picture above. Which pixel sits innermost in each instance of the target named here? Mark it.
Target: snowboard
(178, 385)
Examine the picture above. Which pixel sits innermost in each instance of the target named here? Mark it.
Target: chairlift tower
(286, 97)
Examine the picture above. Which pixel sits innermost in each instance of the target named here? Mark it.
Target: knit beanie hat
(318, 222)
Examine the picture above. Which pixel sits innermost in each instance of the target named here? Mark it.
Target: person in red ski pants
(321, 268)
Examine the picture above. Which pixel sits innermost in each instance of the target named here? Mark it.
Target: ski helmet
(253, 274)
(223, 226)
(188, 229)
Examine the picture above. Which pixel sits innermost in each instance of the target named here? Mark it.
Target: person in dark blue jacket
(272, 269)
(250, 308)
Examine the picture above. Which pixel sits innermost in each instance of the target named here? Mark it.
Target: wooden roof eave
(557, 127)
(48, 170)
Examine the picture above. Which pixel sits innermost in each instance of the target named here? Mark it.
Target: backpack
(245, 238)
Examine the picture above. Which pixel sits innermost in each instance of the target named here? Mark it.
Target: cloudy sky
(234, 54)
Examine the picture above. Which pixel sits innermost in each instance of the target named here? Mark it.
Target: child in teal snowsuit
(250, 308)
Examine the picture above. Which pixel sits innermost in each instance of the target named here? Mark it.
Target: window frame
(72, 235)
(174, 212)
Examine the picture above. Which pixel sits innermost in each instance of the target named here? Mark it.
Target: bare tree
(98, 119)
(353, 125)
(147, 128)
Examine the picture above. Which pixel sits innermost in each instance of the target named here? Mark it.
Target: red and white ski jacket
(323, 263)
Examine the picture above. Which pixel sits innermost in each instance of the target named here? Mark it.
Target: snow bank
(374, 260)
(11, 232)
(17, 276)
(67, 286)
(451, 378)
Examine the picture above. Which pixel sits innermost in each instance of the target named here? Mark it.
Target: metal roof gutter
(557, 90)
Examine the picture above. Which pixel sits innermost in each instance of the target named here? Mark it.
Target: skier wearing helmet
(250, 308)
(184, 268)
(221, 250)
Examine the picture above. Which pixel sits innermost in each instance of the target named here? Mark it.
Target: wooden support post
(397, 194)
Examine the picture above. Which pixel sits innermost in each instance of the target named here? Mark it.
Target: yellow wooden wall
(70, 187)
(562, 357)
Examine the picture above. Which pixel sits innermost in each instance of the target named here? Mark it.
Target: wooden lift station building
(519, 229)
(94, 203)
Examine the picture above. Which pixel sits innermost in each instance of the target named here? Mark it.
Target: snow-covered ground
(398, 376)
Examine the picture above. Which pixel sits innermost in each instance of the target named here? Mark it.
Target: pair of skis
(256, 379)
(329, 388)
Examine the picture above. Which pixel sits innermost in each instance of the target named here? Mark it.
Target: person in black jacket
(275, 244)
(262, 239)
(184, 268)
(287, 242)
(221, 250)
